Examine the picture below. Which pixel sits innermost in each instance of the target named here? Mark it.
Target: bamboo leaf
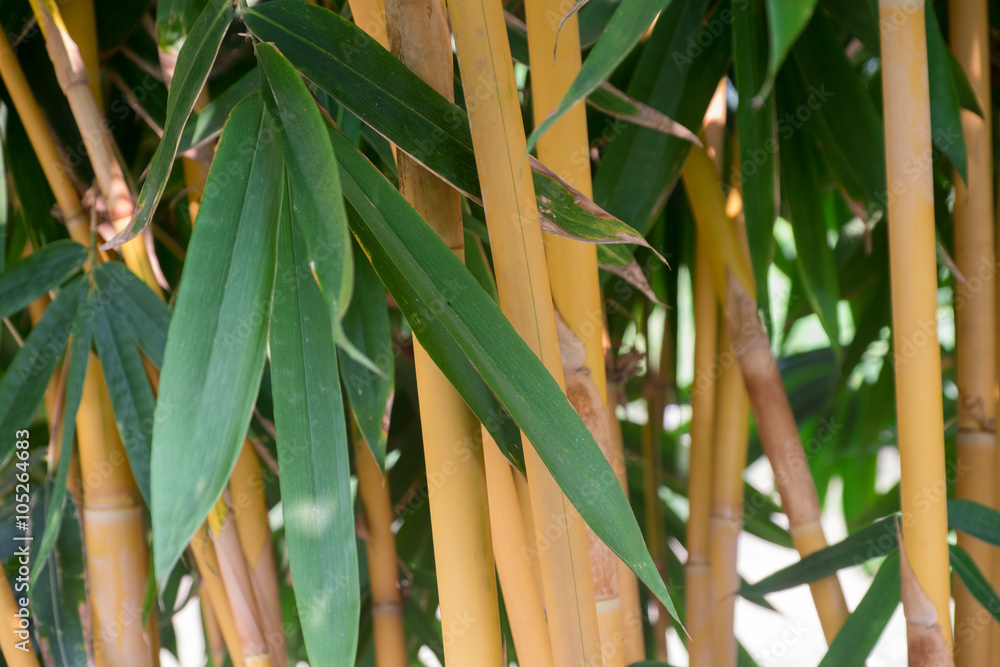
(785, 22)
(137, 308)
(317, 206)
(979, 521)
(640, 166)
(47, 268)
(24, 383)
(129, 390)
(968, 572)
(357, 72)
(755, 121)
(60, 592)
(206, 124)
(609, 100)
(79, 354)
(623, 32)
(193, 65)
(507, 365)
(878, 539)
(366, 324)
(312, 455)
(215, 346)
(174, 19)
(866, 623)
(946, 113)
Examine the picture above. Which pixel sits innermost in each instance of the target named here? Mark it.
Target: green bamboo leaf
(676, 76)
(129, 390)
(205, 125)
(23, 385)
(785, 22)
(79, 353)
(317, 206)
(511, 370)
(862, 629)
(47, 268)
(366, 325)
(878, 539)
(979, 521)
(313, 457)
(623, 32)
(215, 347)
(946, 112)
(174, 19)
(137, 308)
(755, 121)
(968, 572)
(966, 96)
(612, 102)
(193, 65)
(813, 254)
(358, 73)
(60, 592)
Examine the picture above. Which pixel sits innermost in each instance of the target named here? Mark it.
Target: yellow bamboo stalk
(750, 345)
(246, 487)
(72, 76)
(913, 274)
(572, 268)
(15, 641)
(387, 605)
(975, 316)
(215, 643)
(634, 644)
(698, 583)
(82, 26)
(213, 596)
(525, 298)
(453, 451)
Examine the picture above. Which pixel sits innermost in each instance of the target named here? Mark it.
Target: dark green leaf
(946, 113)
(207, 123)
(979, 521)
(136, 308)
(215, 347)
(312, 453)
(968, 572)
(785, 21)
(193, 65)
(31, 277)
(865, 625)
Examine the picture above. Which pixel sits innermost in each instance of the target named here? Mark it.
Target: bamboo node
(387, 608)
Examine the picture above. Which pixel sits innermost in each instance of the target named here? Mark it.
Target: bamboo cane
(69, 68)
(387, 605)
(913, 275)
(453, 451)
(572, 268)
(82, 27)
(16, 649)
(215, 643)
(975, 314)
(775, 422)
(698, 583)
(213, 593)
(525, 297)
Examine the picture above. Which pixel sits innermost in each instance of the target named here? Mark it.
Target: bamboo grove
(472, 333)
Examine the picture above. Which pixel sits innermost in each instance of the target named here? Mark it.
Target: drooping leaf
(609, 100)
(174, 19)
(946, 112)
(136, 308)
(785, 21)
(755, 122)
(313, 457)
(623, 32)
(504, 361)
(31, 277)
(358, 73)
(878, 539)
(23, 385)
(317, 206)
(79, 353)
(972, 577)
(979, 521)
(193, 65)
(205, 125)
(215, 347)
(366, 325)
(862, 629)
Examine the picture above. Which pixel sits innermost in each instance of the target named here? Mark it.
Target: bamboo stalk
(775, 422)
(380, 545)
(525, 298)
(213, 592)
(72, 76)
(913, 274)
(975, 316)
(82, 26)
(698, 582)
(246, 486)
(16, 648)
(572, 269)
(453, 450)
(215, 643)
